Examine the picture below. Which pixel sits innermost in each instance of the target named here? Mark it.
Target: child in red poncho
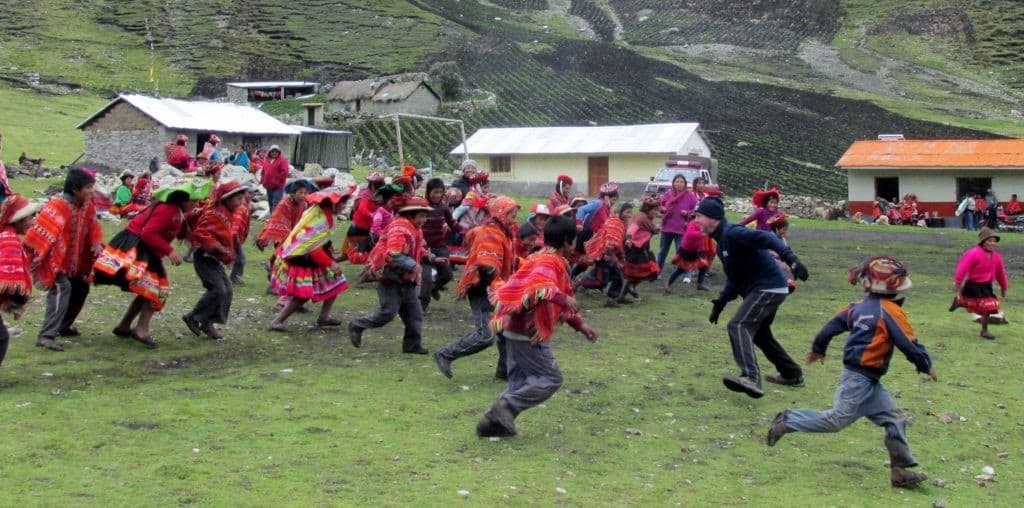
(15, 282)
(528, 307)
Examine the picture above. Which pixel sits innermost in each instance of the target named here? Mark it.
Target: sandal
(118, 332)
(277, 327)
(69, 332)
(148, 340)
(212, 332)
(49, 343)
(320, 323)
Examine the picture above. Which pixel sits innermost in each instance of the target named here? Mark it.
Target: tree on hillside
(448, 79)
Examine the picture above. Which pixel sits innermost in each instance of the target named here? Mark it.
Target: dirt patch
(137, 425)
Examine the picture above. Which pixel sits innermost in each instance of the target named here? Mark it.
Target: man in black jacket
(751, 272)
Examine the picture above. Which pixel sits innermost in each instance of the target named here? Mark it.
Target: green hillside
(780, 87)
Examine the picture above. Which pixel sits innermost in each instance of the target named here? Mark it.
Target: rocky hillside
(781, 87)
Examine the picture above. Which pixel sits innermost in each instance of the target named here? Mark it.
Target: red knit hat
(761, 197)
(609, 188)
(565, 179)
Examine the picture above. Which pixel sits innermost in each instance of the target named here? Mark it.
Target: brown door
(597, 174)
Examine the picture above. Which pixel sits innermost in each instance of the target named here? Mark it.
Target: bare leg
(325, 309)
(133, 310)
(288, 310)
(145, 315)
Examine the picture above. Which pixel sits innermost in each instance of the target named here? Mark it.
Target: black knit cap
(712, 207)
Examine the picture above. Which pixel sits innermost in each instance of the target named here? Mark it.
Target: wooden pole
(401, 154)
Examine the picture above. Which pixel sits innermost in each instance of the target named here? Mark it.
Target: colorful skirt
(690, 261)
(299, 277)
(127, 263)
(978, 297)
(640, 265)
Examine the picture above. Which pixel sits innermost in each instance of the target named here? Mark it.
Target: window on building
(501, 164)
(966, 186)
(888, 188)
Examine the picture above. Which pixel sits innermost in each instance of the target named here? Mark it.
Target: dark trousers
(666, 243)
(401, 300)
(430, 282)
(752, 326)
(604, 274)
(5, 338)
(64, 301)
(214, 305)
(481, 337)
(274, 196)
(533, 375)
(238, 269)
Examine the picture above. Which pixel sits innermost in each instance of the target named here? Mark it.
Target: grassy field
(303, 418)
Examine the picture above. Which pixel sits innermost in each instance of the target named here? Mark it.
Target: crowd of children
(519, 279)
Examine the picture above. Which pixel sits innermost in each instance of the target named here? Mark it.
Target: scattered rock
(939, 503)
(989, 470)
(947, 417)
(940, 483)
(288, 370)
(1000, 406)
(561, 491)
(634, 432)
(288, 407)
(1002, 455)
(464, 493)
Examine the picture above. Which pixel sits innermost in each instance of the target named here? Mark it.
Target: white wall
(933, 184)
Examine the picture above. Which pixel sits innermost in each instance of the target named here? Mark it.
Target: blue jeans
(858, 395)
(969, 220)
(274, 197)
(666, 242)
(238, 269)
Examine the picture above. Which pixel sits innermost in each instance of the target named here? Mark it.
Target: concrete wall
(622, 168)
(935, 188)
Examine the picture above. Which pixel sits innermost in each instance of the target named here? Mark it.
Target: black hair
(77, 180)
(699, 179)
(434, 183)
(559, 231)
(177, 197)
(527, 230)
(625, 206)
(677, 177)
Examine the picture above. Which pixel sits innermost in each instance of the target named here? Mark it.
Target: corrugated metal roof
(650, 138)
(304, 129)
(351, 90)
(201, 116)
(271, 84)
(939, 153)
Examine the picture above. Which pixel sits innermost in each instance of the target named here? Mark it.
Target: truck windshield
(667, 174)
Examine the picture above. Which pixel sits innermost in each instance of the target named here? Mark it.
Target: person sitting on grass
(528, 308)
(878, 325)
(305, 265)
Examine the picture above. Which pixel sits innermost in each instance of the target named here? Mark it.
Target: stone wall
(124, 149)
(121, 117)
(238, 95)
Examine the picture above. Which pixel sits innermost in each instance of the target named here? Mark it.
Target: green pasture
(305, 419)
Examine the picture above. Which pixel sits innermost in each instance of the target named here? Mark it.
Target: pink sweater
(976, 265)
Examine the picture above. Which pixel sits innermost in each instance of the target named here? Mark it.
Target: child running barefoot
(529, 306)
(877, 325)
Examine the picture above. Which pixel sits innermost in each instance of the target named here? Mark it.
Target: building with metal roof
(629, 154)
(939, 172)
(243, 92)
(132, 129)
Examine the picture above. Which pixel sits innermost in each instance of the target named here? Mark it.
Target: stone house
(383, 96)
(939, 171)
(132, 129)
(244, 92)
(528, 157)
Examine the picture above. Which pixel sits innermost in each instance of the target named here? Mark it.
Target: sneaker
(192, 324)
(211, 332)
(418, 350)
(443, 364)
(779, 380)
(435, 294)
(49, 343)
(743, 384)
(687, 280)
(632, 291)
(355, 335)
(777, 429)
(903, 479)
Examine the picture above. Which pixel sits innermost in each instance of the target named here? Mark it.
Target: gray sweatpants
(752, 326)
(533, 375)
(481, 337)
(64, 301)
(401, 300)
(857, 396)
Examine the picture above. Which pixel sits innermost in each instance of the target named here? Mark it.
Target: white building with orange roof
(939, 171)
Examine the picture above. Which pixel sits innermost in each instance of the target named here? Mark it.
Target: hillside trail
(562, 7)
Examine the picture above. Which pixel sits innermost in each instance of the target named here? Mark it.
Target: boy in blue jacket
(877, 325)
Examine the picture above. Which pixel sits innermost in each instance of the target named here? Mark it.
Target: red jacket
(275, 173)
(157, 227)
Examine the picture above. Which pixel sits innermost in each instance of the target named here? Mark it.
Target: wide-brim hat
(414, 204)
(985, 234)
(578, 197)
(296, 184)
(125, 173)
(332, 194)
(609, 188)
(230, 188)
(540, 209)
(564, 210)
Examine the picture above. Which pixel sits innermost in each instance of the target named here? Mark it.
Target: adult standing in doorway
(275, 175)
(753, 274)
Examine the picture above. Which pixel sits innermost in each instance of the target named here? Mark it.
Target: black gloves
(717, 306)
(799, 270)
